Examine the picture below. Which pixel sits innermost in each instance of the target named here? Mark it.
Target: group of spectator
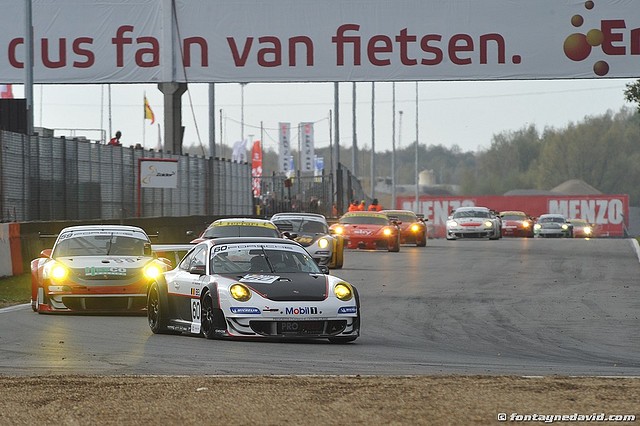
(356, 206)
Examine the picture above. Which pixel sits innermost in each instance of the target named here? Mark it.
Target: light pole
(417, 208)
(393, 146)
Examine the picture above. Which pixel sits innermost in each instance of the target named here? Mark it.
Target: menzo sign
(142, 41)
(609, 212)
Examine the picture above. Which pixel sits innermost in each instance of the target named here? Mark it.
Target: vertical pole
(417, 205)
(336, 145)
(393, 147)
(373, 140)
(354, 146)
(28, 84)
(212, 120)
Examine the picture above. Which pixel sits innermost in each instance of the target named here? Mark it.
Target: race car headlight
(537, 226)
(240, 292)
(526, 224)
(343, 291)
(152, 272)
(588, 230)
(323, 243)
(452, 223)
(59, 272)
(387, 231)
(339, 230)
(565, 226)
(488, 224)
(415, 227)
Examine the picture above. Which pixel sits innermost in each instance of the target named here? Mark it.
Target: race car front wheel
(211, 318)
(155, 315)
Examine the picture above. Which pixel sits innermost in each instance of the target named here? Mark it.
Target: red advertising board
(609, 212)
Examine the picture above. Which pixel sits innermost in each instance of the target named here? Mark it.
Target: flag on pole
(6, 91)
(148, 112)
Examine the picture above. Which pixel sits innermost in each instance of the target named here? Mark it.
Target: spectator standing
(375, 206)
(362, 206)
(116, 139)
(353, 207)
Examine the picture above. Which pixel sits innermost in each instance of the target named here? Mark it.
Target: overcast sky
(466, 114)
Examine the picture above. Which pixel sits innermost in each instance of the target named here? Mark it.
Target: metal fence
(307, 193)
(46, 178)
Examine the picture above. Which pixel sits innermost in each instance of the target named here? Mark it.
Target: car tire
(395, 247)
(211, 317)
(339, 253)
(342, 340)
(421, 242)
(156, 317)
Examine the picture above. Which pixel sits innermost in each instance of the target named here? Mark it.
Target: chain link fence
(48, 178)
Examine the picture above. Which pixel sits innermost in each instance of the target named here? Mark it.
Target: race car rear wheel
(155, 315)
(211, 317)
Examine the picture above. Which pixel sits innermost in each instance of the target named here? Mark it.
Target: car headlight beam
(240, 292)
(387, 231)
(415, 228)
(59, 272)
(323, 243)
(343, 291)
(152, 271)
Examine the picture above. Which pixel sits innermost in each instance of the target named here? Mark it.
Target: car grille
(298, 328)
(105, 304)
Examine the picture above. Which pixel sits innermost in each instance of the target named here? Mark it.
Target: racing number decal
(195, 315)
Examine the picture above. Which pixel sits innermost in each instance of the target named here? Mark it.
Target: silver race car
(253, 287)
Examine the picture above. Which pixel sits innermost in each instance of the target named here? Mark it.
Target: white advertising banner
(93, 41)
(307, 150)
(284, 152)
(158, 173)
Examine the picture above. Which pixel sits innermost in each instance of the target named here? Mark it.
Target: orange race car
(413, 227)
(368, 230)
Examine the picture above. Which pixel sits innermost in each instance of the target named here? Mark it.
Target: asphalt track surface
(513, 306)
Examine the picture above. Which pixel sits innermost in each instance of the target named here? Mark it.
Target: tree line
(603, 151)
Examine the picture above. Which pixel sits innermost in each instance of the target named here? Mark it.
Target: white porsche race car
(253, 287)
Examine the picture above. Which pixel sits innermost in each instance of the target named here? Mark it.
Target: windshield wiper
(267, 259)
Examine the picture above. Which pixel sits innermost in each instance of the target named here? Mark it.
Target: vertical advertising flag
(148, 112)
(284, 147)
(307, 151)
(6, 91)
(256, 168)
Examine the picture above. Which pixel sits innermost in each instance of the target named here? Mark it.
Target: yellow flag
(148, 112)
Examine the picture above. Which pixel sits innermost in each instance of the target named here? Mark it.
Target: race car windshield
(406, 218)
(364, 220)
(513, 217)
(551, 220)
(97, 245)
(471, 213)
(264, 259)
(301, 226)
(240, 231)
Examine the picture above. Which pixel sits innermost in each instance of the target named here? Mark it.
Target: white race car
(253, 287)
(311, 230)
(474, 222)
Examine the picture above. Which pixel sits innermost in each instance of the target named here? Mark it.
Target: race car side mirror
(197, 270)
(324, 269)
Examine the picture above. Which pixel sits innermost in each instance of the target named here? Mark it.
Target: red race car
(413, 227)
(516, 224)
(582, 228)
(368, 230)
(97, 269)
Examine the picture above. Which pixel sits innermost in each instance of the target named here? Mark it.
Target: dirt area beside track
(309, 400)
